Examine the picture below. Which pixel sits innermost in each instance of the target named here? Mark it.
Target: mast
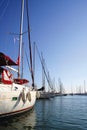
(84, 87)
(20, 36)
(31, 64)
(22, 60)
(43, 75)
(34, 60)
(43, 67)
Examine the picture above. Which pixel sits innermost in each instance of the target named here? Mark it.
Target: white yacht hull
(13, 102)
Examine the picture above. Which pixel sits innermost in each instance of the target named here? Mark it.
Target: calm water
(59, 113)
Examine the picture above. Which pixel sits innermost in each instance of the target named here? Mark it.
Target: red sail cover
(5, 60)
(6, 77)
(21, 81)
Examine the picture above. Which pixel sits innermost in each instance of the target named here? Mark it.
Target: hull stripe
(16, 112)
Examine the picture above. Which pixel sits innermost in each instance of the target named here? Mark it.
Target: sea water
(58, 113)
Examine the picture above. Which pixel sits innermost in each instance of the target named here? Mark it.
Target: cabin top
(7, 78)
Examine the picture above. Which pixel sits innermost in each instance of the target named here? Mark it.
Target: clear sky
(59, 28)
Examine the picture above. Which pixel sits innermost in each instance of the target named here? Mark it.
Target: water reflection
(26, 121)
(59, 113)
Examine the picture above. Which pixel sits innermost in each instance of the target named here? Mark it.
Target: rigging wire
(12, 33)
(27, 60)
(5, 8)
(31, 64)
(47, 78)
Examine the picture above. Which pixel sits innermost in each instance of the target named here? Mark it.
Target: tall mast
(43, 67)
(22, 60)
(20, 36)
(43, 75)
(31, 64)
(34, 59)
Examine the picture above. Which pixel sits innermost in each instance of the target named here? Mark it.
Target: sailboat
(43, 93)
(15, 95)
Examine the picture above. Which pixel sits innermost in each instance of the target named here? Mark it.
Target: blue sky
(59, 28)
